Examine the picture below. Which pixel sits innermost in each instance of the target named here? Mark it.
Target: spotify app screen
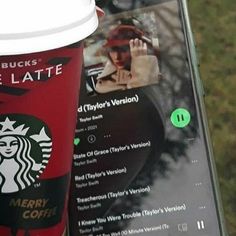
(140, 163)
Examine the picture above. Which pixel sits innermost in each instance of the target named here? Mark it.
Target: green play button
(180, 118)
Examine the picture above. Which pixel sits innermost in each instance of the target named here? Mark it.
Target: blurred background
(213, 25)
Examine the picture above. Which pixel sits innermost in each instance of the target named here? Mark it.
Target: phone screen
(141, 164)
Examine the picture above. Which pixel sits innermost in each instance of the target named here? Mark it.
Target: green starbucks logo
(25, 149)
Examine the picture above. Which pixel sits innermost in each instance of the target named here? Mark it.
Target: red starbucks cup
(40, 67)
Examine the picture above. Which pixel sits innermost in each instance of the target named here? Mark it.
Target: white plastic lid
(37, 25)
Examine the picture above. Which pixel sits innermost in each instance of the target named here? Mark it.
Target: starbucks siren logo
(24, 151)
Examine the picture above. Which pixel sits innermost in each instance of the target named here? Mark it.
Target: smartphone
(143, 162)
